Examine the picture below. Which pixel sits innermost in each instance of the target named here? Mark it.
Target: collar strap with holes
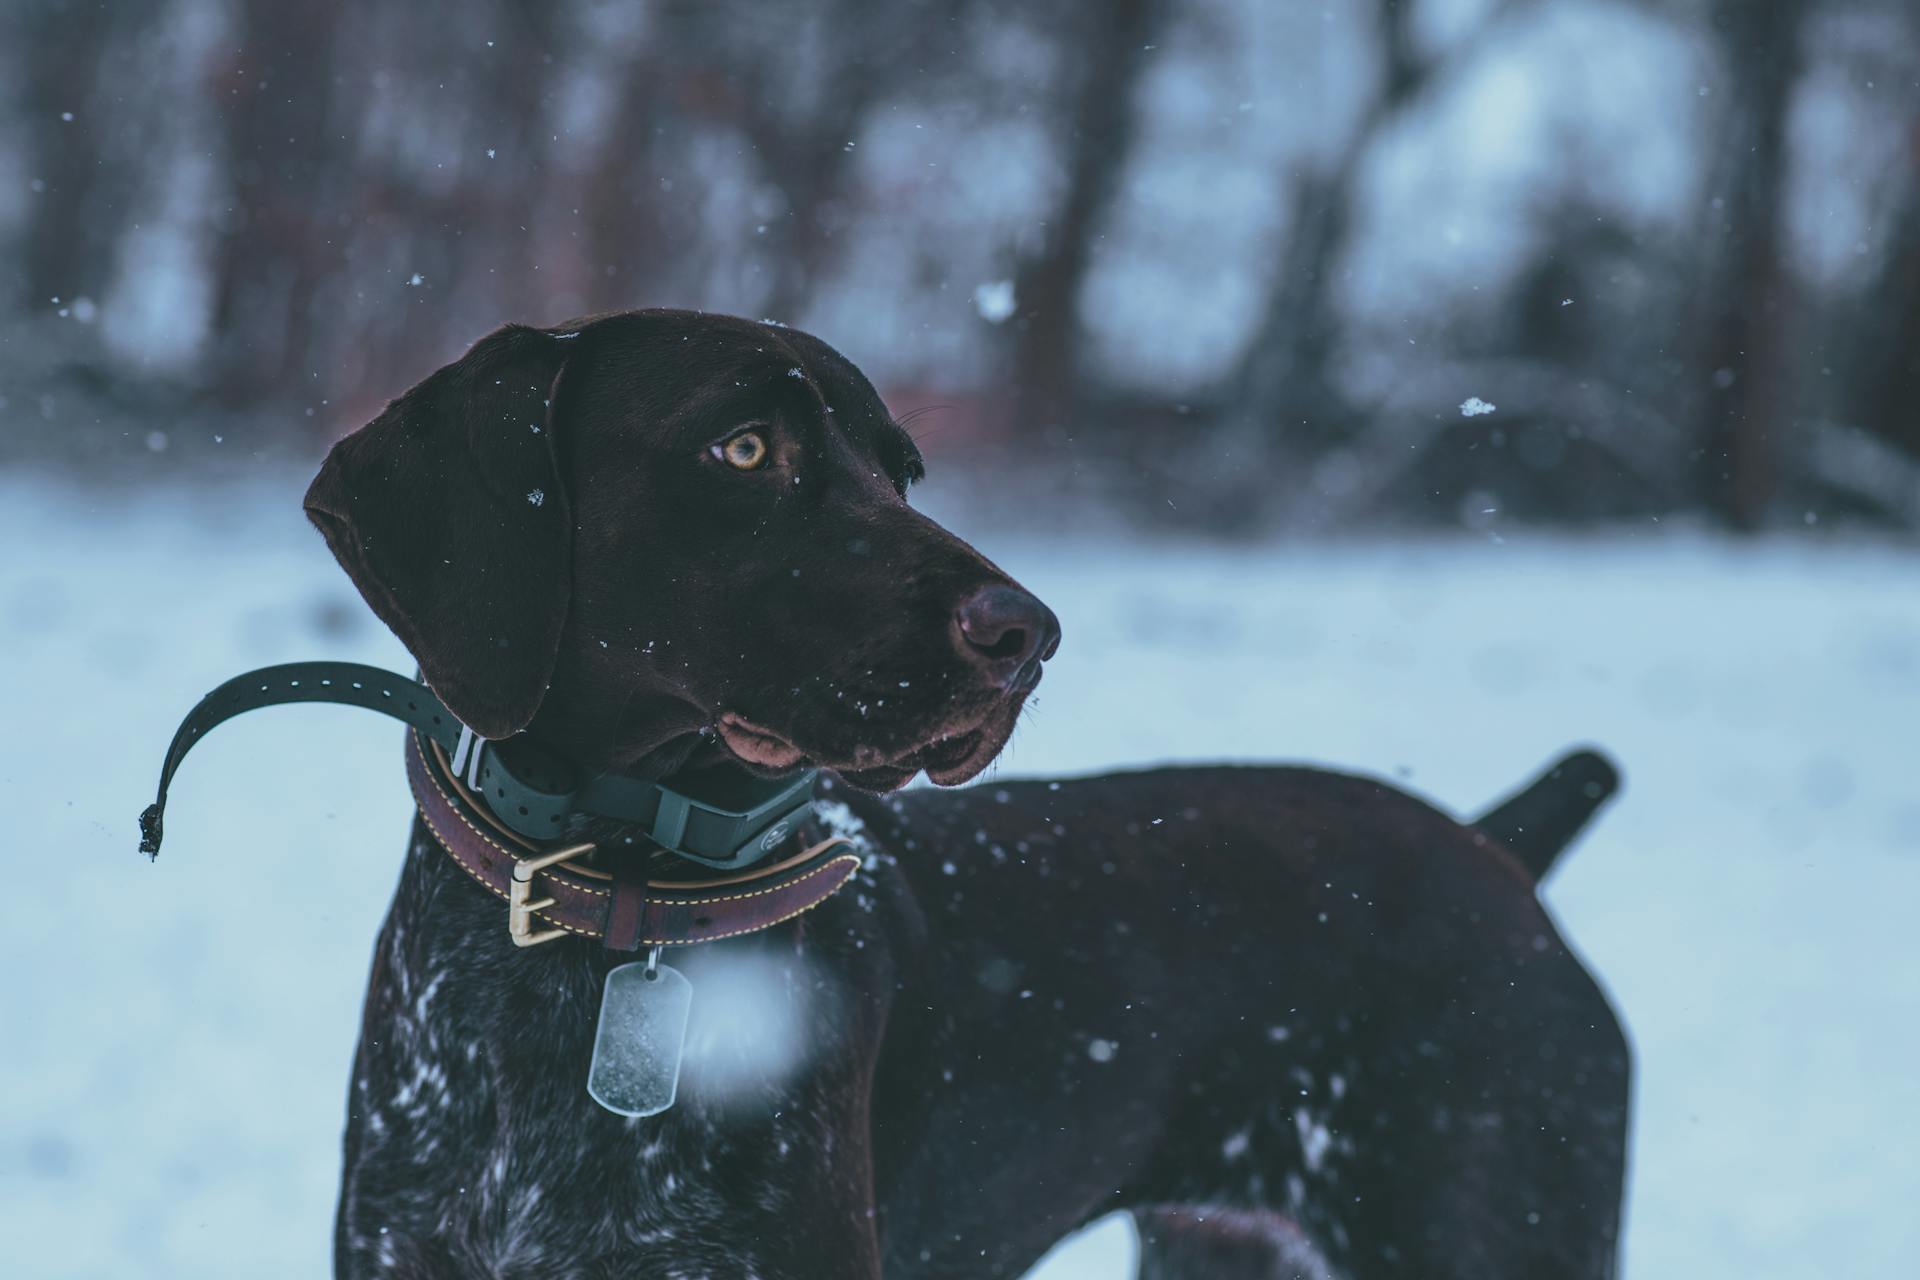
(529, 791)
(552, 893)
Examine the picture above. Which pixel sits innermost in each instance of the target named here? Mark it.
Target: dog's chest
(473, 1143)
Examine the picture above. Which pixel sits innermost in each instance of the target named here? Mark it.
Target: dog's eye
(744, 452)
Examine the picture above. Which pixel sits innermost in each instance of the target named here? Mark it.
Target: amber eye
(744, 452)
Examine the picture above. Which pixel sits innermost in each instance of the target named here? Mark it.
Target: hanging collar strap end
(536, 799)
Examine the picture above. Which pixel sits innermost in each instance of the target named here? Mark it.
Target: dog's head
(660, 535)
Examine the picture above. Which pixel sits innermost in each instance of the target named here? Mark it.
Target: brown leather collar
(549, 886)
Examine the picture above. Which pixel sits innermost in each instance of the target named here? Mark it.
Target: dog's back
(1276, 990)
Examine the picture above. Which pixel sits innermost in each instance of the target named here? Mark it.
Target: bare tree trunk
(493, 232)
(812, 172)
(71, 230)
(810, 155)
(1101, 129)
(1744, 391)
(625, 218)
(1285, 377)
(1891, 405)
(280, 147)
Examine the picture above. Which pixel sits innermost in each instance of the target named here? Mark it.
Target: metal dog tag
(643, 1029)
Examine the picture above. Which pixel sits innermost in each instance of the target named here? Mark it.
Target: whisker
(914, 415)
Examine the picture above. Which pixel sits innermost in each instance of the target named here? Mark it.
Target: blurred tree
(1890, 334)
(1744, 385)
(804, 92)
(1285, 377)
(363, 188)
(455, 206)
(1110, 44)
(78, 198)
(285, 161)
(626, 212)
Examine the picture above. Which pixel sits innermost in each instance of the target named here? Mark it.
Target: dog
(1298, 1023)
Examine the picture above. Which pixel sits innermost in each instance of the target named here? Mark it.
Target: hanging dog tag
(643, 1028)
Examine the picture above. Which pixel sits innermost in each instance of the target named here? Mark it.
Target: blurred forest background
(1231, 265)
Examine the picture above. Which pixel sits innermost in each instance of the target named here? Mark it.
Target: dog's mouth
(950, 756)
(754, 745)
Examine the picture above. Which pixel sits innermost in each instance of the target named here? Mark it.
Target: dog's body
(1299, 1023)
(1231, 988)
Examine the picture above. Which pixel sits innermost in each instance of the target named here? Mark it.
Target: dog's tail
(1540, 820)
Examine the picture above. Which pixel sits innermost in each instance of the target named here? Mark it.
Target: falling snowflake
(994, 301)
(416, 279)
(1474, 406)
(536, 496)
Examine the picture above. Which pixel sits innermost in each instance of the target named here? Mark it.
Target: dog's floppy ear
(448, 513)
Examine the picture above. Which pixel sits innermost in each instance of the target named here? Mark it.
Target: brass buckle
(520, 904)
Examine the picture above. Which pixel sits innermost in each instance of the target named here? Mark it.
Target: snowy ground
(178, 1034)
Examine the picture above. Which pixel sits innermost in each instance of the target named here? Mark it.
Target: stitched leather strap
(623, 912)
(531, 791)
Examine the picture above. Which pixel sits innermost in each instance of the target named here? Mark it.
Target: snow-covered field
(177, 1035)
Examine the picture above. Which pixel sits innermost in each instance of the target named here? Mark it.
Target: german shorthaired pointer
(1298, 1023)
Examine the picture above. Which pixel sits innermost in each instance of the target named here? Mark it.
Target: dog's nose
(1005, 629)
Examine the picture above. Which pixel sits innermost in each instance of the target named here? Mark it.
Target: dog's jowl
(658, 567)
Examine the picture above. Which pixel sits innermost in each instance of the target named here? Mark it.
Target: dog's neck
(649, 736)
(644, 734)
